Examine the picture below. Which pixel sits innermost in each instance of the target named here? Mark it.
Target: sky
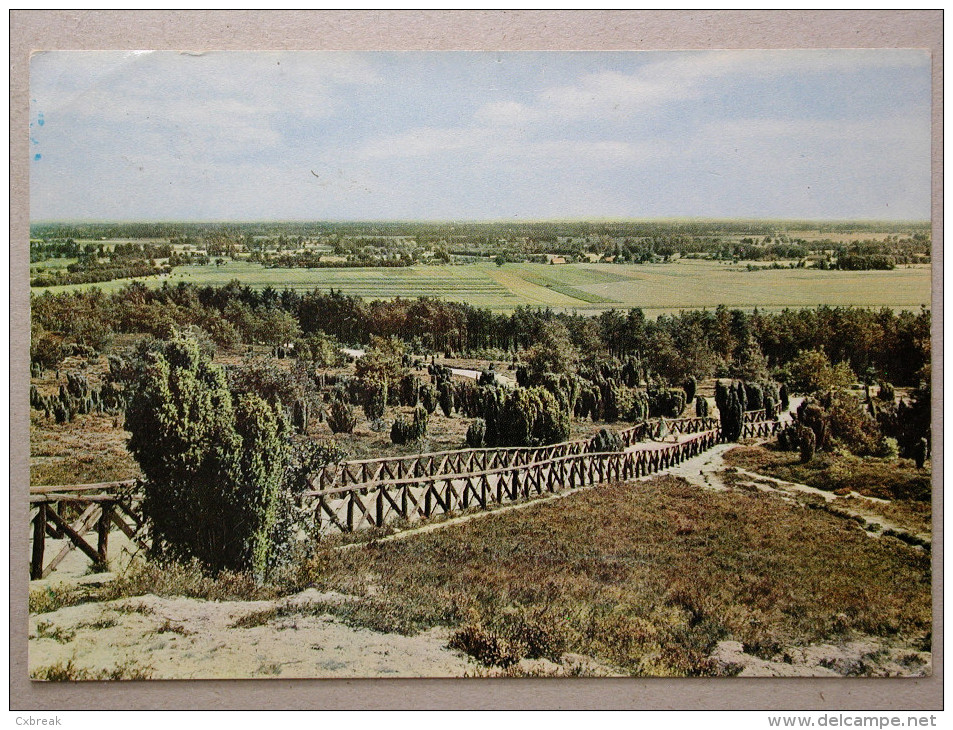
(826, 134)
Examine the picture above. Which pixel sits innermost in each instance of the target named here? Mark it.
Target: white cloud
(685, 76)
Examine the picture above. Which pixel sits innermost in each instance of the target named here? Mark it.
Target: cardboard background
(445, 30)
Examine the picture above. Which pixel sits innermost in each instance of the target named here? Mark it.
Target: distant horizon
(810, 134)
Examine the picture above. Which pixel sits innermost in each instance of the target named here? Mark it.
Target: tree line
(874, 344)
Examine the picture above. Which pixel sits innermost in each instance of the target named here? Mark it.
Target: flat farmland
(656, 288)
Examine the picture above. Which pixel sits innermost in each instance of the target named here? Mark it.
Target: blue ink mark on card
(37, 156)
(39, 119)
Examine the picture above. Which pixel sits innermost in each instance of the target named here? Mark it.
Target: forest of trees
(874, 344)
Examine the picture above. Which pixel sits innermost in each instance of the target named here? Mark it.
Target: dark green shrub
(691, 385)
(491, 401)
(428, 397)
(619, 402)
(404, 431)
(60, 412)
(811, 415)
(605, 442)
(517, 418)
(887, 392)
(446, 398)
(410, 390)
(640, 407)
(807, 443)
(722, 391)
(77, 385)
(213, 464)
(341, 417)
(552, 423)
(754, 397)
(468, 398)
(701, 406)
(732, 418)
(375, 400)
(476, 434)
(787, 438)
(300, 416)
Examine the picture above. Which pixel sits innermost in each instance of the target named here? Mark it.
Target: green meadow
(656, 288)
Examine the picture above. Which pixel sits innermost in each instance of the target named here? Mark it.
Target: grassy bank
(881, 478)
(647, 578)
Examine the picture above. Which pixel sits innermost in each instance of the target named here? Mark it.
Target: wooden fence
(72, 512)
(462, 461)
(354, 507)
(754, 416)
(661, 427)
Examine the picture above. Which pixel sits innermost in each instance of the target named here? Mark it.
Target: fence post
(105, 517)
(39, 542)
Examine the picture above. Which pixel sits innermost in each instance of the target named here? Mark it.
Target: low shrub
(341, 417)
(605, 442)
(476, 434)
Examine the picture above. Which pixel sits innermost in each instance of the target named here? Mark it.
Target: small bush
(476, 434)
(605, 442)
(701, 407)
(485, 646)
(375, 401)
(428, 397)
(341, 417)
(404, 431)
(53, 598)
(189, 580)
(446, 397)
(887, 392)
(807, 442)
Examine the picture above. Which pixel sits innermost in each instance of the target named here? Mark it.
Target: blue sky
(839, 134)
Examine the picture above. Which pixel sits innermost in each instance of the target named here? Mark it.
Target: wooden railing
(354, 507)
(760, 429)
(72, 512)
(464, 461)
(661, 427)
(754, 416)
(441, 462)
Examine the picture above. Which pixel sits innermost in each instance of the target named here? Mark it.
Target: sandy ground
(869, 657)
(295, 637)
(194, 639)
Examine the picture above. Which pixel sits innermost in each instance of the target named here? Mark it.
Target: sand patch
(185, 638)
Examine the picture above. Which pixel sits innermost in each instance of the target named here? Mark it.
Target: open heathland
(646, 577)
(868, 476)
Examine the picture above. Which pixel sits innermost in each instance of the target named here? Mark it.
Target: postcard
(480, 364)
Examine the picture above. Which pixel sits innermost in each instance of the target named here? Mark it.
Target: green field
(656, 288)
